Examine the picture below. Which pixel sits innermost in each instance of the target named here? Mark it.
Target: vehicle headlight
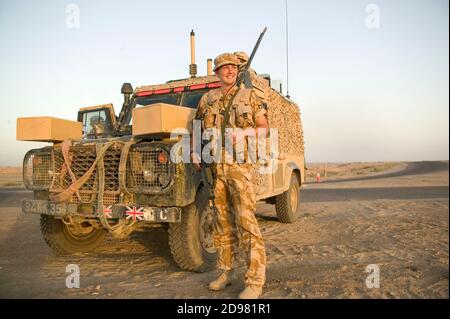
(149, 174)
(164, 179)
(38, 169)
(149, 169)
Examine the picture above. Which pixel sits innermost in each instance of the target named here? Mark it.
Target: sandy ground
(343, 170)
(324, 254)
(11, 176)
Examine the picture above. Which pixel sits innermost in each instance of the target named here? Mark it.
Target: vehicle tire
(191, 241)
(64, 240)
(287, 204)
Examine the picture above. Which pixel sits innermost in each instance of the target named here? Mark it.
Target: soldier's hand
(196, 162)
(197, 166)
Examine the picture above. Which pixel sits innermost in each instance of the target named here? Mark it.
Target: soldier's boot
(222, 281)
(251, 292)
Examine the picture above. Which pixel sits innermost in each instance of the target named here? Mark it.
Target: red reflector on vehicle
(180, 89)
(144, 93)
(162, 158)
(162, 91)
(214, 85)
(197, 86)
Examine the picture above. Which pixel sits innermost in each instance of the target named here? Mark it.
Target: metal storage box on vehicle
(47, 129)
(161, 118)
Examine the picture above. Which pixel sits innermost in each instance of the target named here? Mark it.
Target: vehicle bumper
(149, 214)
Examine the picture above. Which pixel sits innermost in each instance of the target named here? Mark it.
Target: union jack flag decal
(135, 214)
(107, 211)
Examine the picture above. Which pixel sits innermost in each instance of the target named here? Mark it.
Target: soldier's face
(227, 74)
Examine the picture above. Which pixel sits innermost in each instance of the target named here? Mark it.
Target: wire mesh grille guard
(38, 170)
(81, 159)
(148, 169)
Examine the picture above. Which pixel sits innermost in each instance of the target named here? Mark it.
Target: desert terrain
(392, 215)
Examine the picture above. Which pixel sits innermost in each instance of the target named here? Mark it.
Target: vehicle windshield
(186, 99)
(191, 99)
(94, 117)
(152, 99)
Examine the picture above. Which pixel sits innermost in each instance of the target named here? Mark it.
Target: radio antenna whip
(287, 53)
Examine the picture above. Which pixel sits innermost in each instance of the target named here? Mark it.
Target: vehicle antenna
(287, 53)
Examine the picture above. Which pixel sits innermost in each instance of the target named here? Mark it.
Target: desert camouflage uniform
(234, 190)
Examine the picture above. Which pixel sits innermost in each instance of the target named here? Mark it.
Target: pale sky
(365, 93)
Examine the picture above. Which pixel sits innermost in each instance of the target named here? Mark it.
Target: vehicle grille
(145, 173)
(45, 169)
(37, 169)
(82, 158)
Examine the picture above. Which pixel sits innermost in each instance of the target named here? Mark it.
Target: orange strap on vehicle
(65, 147)
(66, 194)
(122, 228)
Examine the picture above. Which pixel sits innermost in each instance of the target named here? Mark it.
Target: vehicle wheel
(286, 204)
(191, 241)
(66, 239)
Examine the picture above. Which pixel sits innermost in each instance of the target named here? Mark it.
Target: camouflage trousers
(235, 199)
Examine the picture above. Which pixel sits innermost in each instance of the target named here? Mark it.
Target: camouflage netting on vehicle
(285, 116)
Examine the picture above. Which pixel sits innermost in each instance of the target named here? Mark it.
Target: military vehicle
(112, 181)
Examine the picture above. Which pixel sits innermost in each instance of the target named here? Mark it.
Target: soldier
(234, 191)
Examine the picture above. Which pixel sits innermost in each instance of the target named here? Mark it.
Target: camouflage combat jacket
(245, 108)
